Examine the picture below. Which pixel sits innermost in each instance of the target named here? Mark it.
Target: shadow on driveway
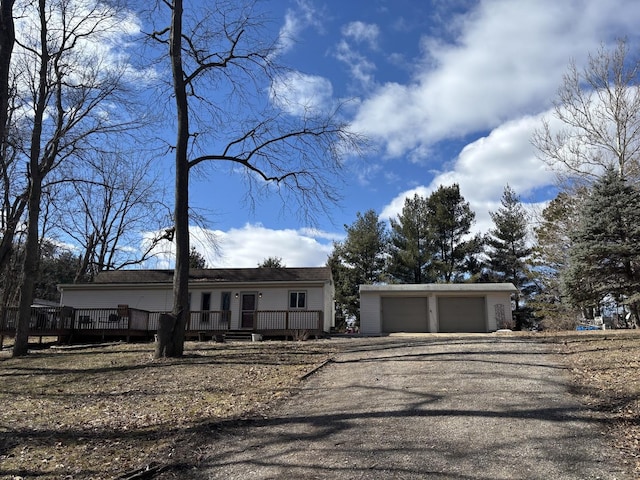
(478, 408)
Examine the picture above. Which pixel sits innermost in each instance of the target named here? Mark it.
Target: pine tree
(507, 243)
(272, 262)
(450, 220)
(550, 258)
(196, 259)
(606, 246)
(361, 260)
(411, 244)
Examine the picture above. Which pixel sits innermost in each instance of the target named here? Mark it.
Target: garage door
(461, 314)
(404, 314)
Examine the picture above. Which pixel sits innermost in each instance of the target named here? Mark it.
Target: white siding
(329, 308)
(370, 319)
(160, 299)
(497, 303)
(498, 308)
(156, 300)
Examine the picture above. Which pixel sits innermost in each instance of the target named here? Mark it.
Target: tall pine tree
(411, 243)
(606, 247)
(507, 250)
(550, 258)
(359, 260)
(450, 220)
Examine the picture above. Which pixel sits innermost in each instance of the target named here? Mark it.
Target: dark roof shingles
(223, 275)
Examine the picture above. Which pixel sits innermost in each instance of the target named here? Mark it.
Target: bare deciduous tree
(8, 209)
(220, 65)
(64, 82)
(111, 200)
(7, 41)
(599, 108)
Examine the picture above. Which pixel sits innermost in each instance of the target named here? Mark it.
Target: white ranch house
(266, 300)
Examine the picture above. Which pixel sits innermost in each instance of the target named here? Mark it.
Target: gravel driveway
(471, 407)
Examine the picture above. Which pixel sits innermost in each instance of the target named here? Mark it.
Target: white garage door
(404, 314)
(461, 314)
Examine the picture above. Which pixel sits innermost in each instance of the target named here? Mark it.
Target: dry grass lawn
(606, 372)
(104, 412)
(98, 413)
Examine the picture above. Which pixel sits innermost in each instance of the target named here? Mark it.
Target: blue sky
(446, 91)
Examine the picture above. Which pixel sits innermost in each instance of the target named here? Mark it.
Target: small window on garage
(297, 299)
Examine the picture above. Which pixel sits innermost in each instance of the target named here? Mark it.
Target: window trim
(297, 302)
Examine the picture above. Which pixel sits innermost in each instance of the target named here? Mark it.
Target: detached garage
(435, 308)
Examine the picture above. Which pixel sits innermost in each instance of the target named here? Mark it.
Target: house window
(225, 306)
(206, 301)
(297, 299)
(205, 306)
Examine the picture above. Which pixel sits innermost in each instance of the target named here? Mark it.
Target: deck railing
(58, 319)
(288, 320)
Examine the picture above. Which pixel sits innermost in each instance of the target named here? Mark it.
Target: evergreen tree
(550, 258)
(362, 261)
(196, 259)
(507, 246)
(272, 262)
(605, 255)
(411, 244)
(56, 266)
(342, 287)
(450, 220)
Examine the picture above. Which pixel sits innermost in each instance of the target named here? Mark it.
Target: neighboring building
(435, 308)
(231, 298)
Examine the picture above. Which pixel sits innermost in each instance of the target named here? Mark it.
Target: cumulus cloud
(300, 94)
(248, 246)
(485, 167)
(507, 61)
(101, 35)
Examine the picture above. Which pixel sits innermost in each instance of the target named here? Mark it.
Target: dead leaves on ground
(81, 414)
(606, 369)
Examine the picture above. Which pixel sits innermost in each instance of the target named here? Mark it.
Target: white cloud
(362, 32)
(485, 167)
(507, 61)
(360, 67)
(248, 246)
(101, 36)
(295, 21)
(300, 94)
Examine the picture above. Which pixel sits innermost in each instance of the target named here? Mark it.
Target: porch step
(238, 335)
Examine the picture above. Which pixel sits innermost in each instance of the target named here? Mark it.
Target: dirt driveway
(473, 407)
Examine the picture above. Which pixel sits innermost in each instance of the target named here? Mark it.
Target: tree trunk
(170, 341)
(32, 244)
(29, 268)
(7, 40)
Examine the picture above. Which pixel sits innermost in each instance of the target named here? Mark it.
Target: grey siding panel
(404, 314)
(462, 315)
(370, 320)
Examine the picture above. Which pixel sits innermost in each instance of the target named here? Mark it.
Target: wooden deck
(70, 325)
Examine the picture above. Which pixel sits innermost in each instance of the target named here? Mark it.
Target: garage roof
(441, 288)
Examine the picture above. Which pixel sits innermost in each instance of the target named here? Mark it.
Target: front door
(247, 310)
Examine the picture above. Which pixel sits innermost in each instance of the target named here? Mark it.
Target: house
(435, 308)
(255, 299)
